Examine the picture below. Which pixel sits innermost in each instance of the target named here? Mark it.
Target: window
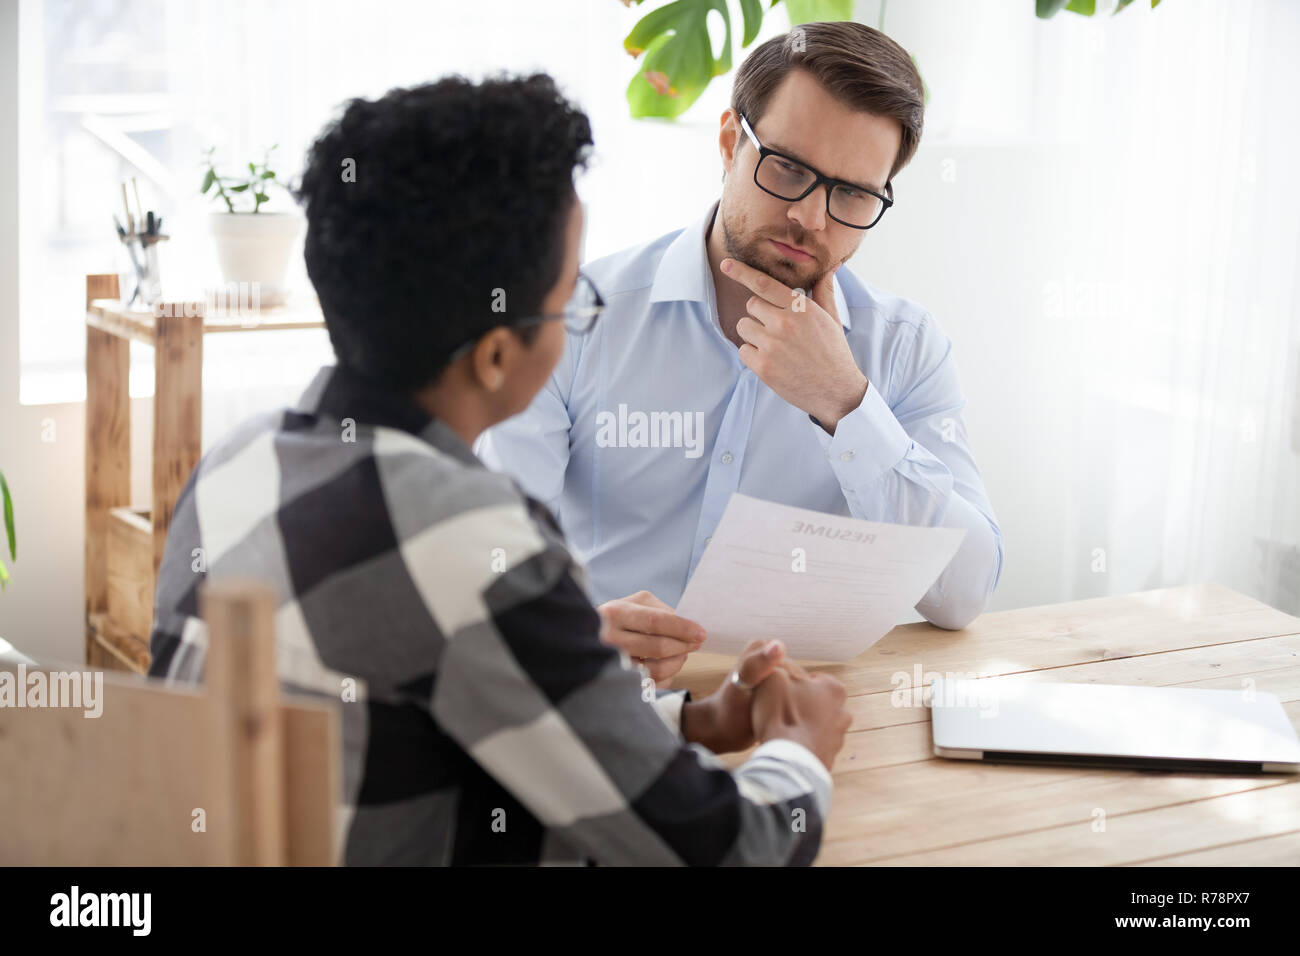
(114, 89)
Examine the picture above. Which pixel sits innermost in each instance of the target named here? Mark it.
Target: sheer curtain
(1192, 373)
(1136, 280)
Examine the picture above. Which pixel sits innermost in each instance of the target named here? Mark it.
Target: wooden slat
(177, 417)
(312, 755)
(130, 572)
(113, 648)
(108, 445)
(120, 325)
(242, 683)
(108, 314)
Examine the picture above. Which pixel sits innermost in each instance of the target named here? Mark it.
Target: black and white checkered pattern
(490, 723)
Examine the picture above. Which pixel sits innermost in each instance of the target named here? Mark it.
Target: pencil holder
(139, 275)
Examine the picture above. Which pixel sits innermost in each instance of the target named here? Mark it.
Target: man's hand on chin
(795, 344)
(651, 633)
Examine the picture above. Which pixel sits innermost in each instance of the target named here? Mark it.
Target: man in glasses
(806, 385)
(484, 719)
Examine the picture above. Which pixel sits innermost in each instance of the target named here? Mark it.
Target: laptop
(1106, 725)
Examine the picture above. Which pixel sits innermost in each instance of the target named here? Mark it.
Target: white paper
(827, 586)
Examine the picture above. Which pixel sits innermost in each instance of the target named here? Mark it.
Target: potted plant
(253, 246)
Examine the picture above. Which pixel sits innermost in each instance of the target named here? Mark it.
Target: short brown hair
(858, 65)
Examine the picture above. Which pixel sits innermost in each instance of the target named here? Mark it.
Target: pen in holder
(142, 248)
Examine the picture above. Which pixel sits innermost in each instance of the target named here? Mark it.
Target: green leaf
(812, 11)
(4, 576)
(752, 11)
(9, 517)
(240, 188)
(649, 28)
(209, 178)
(261, 197)
(268, 175)
(252, 169)
(1046, 9)
(679, 61)
(1084, 7)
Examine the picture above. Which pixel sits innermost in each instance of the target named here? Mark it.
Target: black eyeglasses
(585, 306)
(787, 178)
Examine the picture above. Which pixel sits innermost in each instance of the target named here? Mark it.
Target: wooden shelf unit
(124, 546)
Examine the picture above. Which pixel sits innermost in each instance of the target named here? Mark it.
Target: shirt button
(846, 456)
(726, 458)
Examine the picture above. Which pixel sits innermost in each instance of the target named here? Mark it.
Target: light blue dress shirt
(651, 421)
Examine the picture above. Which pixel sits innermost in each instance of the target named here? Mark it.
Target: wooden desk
(895, 803)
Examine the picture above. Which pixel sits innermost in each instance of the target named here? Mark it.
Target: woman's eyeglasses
(584, 307)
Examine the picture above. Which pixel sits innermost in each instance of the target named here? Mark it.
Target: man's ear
(728, 138)
(492, 358)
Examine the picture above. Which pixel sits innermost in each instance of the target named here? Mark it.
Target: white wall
(951, 246)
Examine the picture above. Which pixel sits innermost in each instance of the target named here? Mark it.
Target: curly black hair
(454, 190)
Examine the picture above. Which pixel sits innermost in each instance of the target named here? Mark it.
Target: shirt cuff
(787, 751)
(668, 705)
(868, 442)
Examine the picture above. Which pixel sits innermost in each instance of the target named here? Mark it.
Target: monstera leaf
(1046, 9)
(812, 11)
(679, 62)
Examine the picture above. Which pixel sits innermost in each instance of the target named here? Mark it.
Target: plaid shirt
(490, 723)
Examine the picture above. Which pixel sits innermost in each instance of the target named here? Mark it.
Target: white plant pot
(254, 248)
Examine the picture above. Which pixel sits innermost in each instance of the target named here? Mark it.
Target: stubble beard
(758, 253)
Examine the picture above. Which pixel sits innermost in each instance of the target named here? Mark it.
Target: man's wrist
(699, 722)
(830, 417)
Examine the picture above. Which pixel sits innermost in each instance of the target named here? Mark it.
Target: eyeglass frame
(820, 180)
(587, 315)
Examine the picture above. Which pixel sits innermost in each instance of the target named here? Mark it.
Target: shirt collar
(339, 392)
(683, 274)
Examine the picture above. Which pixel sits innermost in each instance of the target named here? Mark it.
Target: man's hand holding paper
(828, 586)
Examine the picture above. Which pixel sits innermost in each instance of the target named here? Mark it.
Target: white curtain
(1147, 426)
(1191, 375)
